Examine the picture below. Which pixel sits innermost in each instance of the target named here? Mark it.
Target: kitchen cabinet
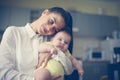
(14, 16)
(94, 70)
(5, 14)
(107, 48)
(94, 25)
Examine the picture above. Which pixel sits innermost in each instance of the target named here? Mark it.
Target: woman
(18, 48)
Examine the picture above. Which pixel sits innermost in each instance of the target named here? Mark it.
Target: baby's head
(62, 40)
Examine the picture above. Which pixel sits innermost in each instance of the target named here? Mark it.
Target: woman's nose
(51, 28)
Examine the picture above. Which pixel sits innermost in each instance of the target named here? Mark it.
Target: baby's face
(61, 40)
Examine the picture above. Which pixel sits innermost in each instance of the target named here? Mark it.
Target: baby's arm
(45, 52)
(77, 65)
(47, 48)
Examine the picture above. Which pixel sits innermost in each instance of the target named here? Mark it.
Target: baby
(61, 62)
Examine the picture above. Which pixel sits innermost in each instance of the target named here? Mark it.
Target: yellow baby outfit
(59, 64)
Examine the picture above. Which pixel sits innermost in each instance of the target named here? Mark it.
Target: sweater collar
(30, 31)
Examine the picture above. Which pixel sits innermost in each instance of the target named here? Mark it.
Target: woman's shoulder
(13, 28)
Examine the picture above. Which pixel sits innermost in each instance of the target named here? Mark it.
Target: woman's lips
(43, 29)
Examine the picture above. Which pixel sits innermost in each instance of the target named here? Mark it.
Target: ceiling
(49, 3)
(85, 6)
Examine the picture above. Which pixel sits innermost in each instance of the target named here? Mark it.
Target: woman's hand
(43, 59)
(45, 53)
(81, 72)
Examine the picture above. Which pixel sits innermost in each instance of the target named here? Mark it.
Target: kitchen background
(96, 25)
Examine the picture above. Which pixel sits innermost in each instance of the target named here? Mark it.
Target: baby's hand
(81, 72)
(53, 51)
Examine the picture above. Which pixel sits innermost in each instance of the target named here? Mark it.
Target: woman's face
(49, 23)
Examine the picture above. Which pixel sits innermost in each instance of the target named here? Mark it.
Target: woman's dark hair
(62, 12)
(68, 21)
(68, 26)
(67, 31)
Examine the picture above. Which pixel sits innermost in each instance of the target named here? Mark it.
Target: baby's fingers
(53, 51)
(81, 73)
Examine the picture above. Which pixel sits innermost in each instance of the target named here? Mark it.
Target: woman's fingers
(44, 57)
(40, 60)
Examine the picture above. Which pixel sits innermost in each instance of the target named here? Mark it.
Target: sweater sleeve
(8, 69)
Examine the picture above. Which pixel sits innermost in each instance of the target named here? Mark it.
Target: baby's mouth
(60, 47)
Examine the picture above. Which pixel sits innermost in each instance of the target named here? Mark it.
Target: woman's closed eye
(52, 21)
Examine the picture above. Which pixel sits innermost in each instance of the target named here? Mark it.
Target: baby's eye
(60, 39)
(65, 42)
